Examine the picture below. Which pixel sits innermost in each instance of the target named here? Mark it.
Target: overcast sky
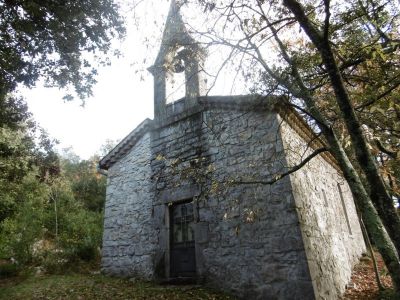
(121, 99)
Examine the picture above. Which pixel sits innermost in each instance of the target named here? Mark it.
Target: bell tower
(179, 54)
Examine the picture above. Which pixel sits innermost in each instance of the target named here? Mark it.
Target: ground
(363, 284)
(83, 287)
(96, 286)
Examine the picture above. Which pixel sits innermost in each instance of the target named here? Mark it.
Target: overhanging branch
(290, 171)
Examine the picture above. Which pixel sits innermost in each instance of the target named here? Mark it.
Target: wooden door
(182, 258)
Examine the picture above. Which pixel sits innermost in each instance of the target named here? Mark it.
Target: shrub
(8, 270)
(81, 236)
(19, 232)
(54, 261)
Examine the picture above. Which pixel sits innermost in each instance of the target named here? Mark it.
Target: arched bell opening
(176, 77)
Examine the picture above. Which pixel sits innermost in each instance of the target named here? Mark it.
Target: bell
(178, 65)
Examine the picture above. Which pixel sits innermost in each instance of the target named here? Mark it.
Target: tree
(324, 55)
(19, 231)
(25, 150)
(46, 217)
(321, 40)
(52, 39)
(61, 42)
(88, 186)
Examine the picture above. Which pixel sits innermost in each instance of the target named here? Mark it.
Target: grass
(78, 286)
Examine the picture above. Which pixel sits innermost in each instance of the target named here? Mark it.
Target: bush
(54, 262)
(82, 235)
(19, 232)
(49, 227)
(8, 270)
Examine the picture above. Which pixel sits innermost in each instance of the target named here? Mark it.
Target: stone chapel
(185, 198)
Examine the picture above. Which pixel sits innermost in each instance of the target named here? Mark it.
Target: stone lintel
(180, 193)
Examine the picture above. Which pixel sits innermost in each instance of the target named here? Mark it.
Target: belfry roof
(175, 34)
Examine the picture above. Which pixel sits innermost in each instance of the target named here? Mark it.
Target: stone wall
(176, 151)
(258, 241)
(129, 241)
(248, 240)
(328, 218)
(254, 246)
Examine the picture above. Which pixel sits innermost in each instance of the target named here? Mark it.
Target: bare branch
(305, 93)
(290, 171)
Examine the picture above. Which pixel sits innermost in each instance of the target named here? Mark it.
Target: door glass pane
(182, 223)
(178, 237)
(189, 209)
(191, 232)
(176, 213)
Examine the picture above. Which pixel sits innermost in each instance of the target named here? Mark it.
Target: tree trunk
(368, 212)
(371, 251)
(378, 192)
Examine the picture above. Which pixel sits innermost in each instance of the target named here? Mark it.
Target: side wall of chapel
(129, 239)
(328, 218)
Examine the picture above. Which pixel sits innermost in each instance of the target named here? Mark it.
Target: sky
(121, 99)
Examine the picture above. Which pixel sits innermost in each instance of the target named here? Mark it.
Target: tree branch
(381, 148)
(380, 96)
(290, 171)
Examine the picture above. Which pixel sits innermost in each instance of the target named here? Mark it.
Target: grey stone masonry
(298, 238)
(129, 239)
(329, 224)
(177, 48)
(254, 245)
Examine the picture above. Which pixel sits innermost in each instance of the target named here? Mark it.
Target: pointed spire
(174, 8)
(177, 46)
(175, 29)
(174, 34)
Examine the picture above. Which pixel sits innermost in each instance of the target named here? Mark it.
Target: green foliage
(82, 235)
(24, 148)
(48, 39)
(55, 220)
(49, 216)
(15, 153)
(43, 212)
(18, 233)
(19, 157)
(88, 186)
(8, 270)
(13, 111)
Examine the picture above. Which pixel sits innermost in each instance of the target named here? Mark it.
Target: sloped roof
(125, 145)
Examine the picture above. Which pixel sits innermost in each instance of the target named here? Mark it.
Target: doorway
(182, 257)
